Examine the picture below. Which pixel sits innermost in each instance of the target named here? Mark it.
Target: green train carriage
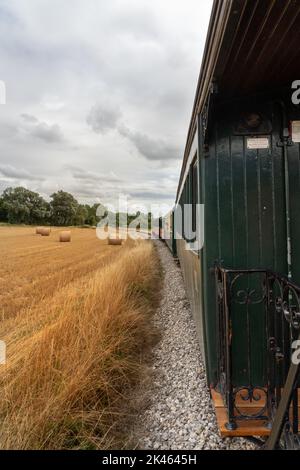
(242, 162)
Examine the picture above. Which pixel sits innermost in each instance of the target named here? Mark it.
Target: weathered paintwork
(245, 227)
(190, 265)
(168, 223)
(250, 60)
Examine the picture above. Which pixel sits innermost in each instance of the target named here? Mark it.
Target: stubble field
(76, 319)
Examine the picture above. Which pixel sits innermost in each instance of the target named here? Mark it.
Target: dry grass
(35, 267)
(75, 337)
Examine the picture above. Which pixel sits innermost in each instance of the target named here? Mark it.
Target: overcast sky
(99, 95)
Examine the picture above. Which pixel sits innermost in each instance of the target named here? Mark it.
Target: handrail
(281, 422)
(279, 301)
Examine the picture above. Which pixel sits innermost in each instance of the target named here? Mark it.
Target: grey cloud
(103, 118)
(17, 173)
(140, 21)
(29, 118)
(150, 148)
(86, 192)
(172, 100)
(152, 195)
(80, 174)
(8, 129)
(48, 133)
(90, 176)
(95, 185)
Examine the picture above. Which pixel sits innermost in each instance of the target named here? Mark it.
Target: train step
(247, 428)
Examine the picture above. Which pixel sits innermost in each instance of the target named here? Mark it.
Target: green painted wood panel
(245, 227)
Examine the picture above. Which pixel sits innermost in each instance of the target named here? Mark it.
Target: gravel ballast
(180, 414)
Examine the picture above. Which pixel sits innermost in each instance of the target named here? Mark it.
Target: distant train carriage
(242, 162)
(166, 231)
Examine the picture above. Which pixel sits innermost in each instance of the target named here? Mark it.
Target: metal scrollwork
(278, 304)
(251, 394)
(247, 295)
(280, 300)
(288, 303)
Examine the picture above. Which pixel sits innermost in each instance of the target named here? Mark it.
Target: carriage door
(268, 207)
(259, 234)
(252, 202)
(258, 227)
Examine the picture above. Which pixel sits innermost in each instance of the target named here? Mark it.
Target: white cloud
(52, 103)
(75, 70)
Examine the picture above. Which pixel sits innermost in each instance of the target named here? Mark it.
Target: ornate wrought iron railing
(278, 302)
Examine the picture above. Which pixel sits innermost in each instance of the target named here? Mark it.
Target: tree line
(22, 206)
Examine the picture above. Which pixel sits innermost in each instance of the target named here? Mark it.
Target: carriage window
(194, 193)
(189, 196)
(186, 202)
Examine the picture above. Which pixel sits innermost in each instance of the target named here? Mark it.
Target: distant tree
(131, 218)
(63, 208)
(81, 215)
(3, 211)
(92, 218)
(22, 206)
(150, 220)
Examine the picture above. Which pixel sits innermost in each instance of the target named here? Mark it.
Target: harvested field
(76, 321)
(35, 266)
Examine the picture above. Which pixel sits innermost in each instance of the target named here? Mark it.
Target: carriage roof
(251, 46)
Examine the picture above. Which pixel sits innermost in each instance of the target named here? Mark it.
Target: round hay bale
(65, 237)
(115, 241)
(45, 231)
(38, 230)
